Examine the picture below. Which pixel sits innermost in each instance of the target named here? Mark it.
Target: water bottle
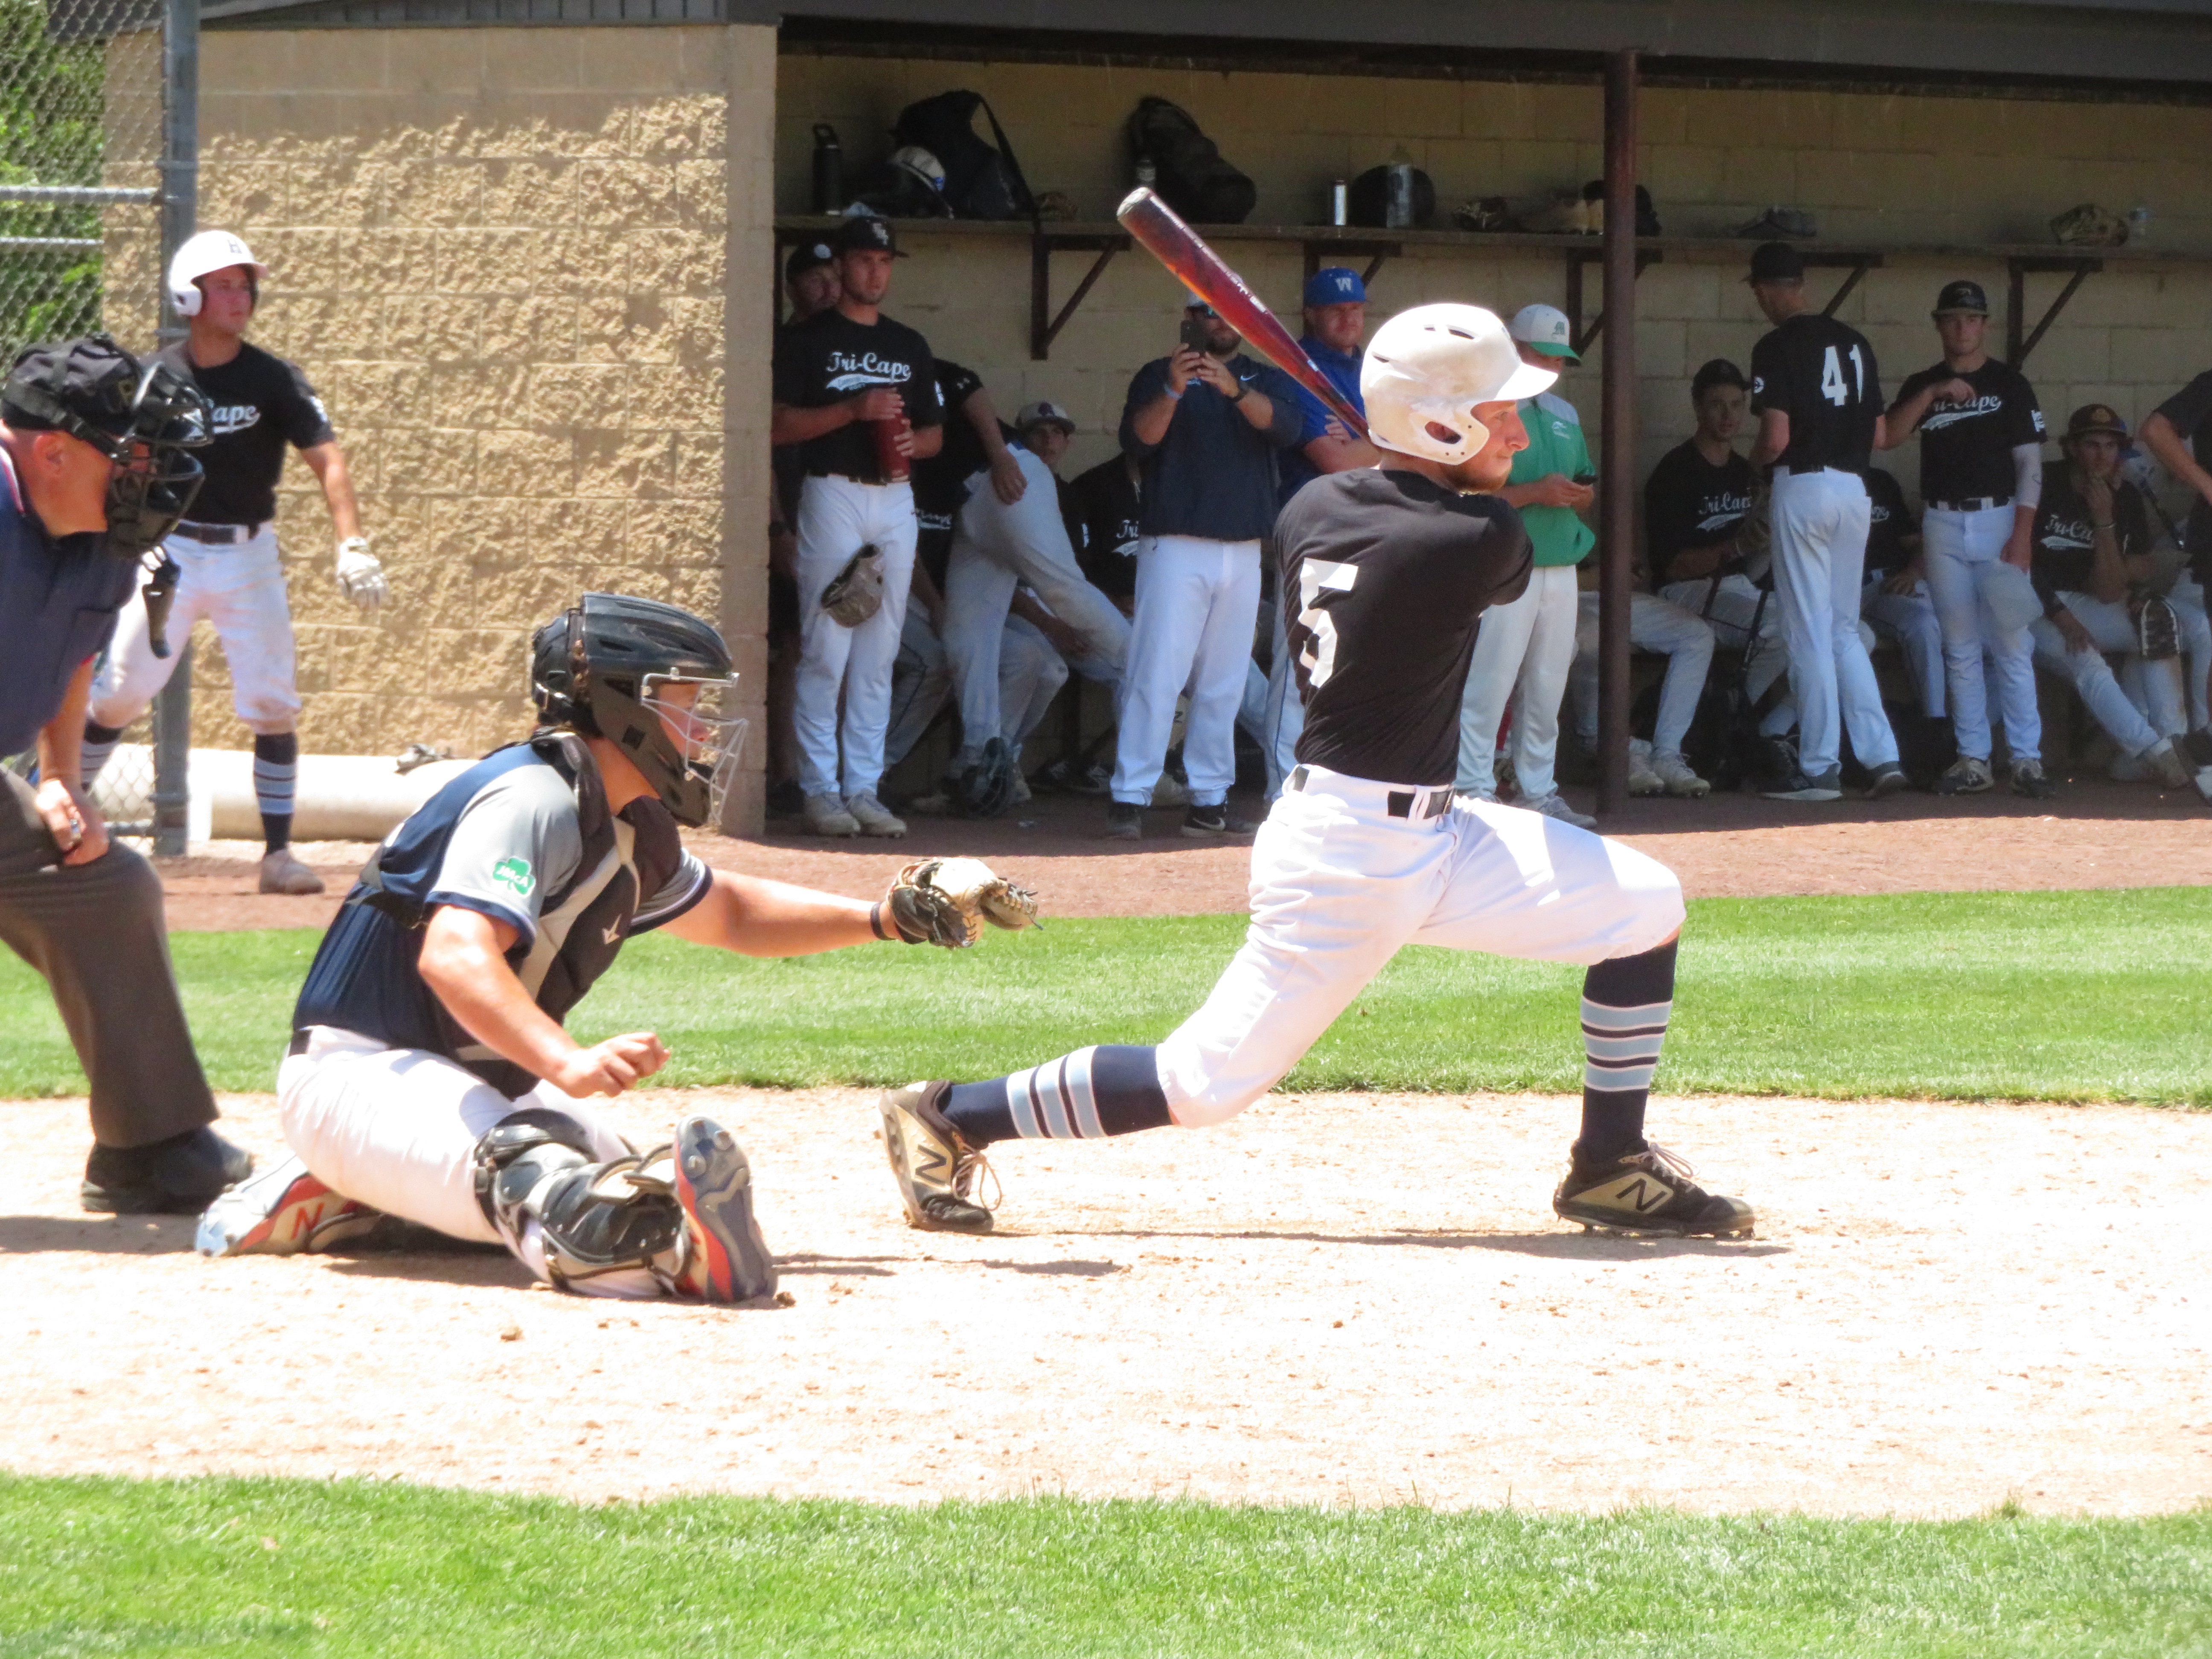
(1340, 203)
(829, 169)
(1398, 210)
(1148, 176)
(891, 466)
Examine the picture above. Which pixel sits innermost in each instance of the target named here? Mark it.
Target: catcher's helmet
(145, 417)
(204, 255)
(1425, 371)
(614, 666)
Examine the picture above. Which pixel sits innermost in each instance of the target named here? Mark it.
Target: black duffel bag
(1192, 178)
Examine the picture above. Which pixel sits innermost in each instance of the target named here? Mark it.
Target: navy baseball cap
(1962, 295)
(863, 232)
(1719, 372)
(808, 256)
(1776, 262)
(1335, 285)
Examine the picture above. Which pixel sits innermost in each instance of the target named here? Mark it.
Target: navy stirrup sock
(1093, 1092)
(1625, 1004)
(276, 773)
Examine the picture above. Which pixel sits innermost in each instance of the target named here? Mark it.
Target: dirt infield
(1332, 1298)
(2099, 835)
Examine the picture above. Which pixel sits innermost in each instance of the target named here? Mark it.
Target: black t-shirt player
(1889, 521)
(261, 404)
(1688, 503)
(1385, 575)
(1965, 448)
(829, 358)
(1822, 375)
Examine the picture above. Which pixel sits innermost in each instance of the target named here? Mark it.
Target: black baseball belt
(216, 535)
(1415, 804)
(1971, 504)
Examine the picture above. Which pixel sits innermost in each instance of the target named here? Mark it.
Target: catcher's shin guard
(1648, 1191)
(939, 1174)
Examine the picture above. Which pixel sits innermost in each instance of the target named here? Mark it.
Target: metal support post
(180, 145)
(1616, 466)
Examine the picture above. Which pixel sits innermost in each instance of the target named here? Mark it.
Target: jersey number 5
(1832, 379)
(1317, 580)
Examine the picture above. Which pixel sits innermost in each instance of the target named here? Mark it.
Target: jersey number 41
(1832, 378)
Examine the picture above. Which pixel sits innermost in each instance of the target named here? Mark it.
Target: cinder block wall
(1877, 169)
(505, 258)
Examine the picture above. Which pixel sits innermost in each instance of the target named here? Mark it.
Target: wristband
(876, 921)
(1243, 391)
(2104, 526)
(1175, 395)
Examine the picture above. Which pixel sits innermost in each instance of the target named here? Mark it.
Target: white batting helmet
(201, 255)
(1425, 371)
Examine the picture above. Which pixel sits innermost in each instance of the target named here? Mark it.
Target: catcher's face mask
(701, 719)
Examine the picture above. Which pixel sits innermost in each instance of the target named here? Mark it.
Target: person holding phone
(1528, 647)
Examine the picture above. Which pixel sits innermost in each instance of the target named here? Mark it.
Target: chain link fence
(82, 105)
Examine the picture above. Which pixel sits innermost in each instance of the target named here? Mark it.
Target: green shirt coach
(1555, 445)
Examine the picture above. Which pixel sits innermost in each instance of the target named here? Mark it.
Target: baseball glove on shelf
(947, 900)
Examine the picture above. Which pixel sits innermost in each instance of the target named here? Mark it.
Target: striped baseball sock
(99, 742)
(1093, 1092)
(1626, 1003)
(276, 772)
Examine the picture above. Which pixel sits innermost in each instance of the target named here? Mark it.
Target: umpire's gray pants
(96, 930)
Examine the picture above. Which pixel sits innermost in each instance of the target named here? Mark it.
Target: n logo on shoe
(1639, 1193)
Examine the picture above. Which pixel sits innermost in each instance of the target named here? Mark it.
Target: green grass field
(2104, 995)
(249, 1567)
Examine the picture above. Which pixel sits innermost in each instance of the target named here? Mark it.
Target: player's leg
(1337, 885)
(131, 676)
(1030, 538)
(1031, 674)
(2186, 596)
(1955, 593)
(1688, 643)
(1500, 644)
(921, 679)
(1543, 685)
(977, 591)
(1582, 676)
(1858, 693)
(1806, 524)
(892, 529)
(251, 614)
(1220, 667)
(2141, 739)
(831, 528)
(1174, 592)
(1524, 886)
(1909, 621)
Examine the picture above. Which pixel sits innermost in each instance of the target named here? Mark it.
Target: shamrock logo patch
(515, 875)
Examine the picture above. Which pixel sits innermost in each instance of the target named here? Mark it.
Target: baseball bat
(1164, 235)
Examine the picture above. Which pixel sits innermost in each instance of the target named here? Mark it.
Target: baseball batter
(429, 1076)
(1389, 568)
(226, 554)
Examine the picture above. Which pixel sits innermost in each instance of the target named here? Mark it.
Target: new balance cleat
(283, 1210)
(938, 1175)
(1649, 1192)
(728, 1259)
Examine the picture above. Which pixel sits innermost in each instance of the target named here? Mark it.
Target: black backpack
(980, 182)
(1191, 176)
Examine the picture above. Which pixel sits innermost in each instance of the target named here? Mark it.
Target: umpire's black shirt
(1965, 448)
(1822, 375)
(1385, 575)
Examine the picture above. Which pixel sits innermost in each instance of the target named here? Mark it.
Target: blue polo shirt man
(84, 912)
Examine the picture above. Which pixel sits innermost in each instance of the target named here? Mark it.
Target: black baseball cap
(1776, 262)
(52, 386)
(1719, 372)
(2096, 417)
(1962, 295)
(865, 232)
(807, 256)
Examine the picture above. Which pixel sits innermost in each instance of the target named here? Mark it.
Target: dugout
(526, 246)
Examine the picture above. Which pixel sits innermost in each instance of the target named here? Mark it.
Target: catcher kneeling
(428, 1076)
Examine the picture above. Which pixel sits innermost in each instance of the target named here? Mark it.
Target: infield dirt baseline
(1164, 235)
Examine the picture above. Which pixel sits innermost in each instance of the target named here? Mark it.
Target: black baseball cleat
(1125, 821)
(182, 1176)
(1649, 1191)
(1200, 822)
(939, 1175)
(1888, 780)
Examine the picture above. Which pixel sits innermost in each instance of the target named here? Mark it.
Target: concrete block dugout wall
(521, 265)
(1877, 169)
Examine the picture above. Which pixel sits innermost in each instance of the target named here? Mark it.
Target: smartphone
(1197, 336)
(1585, 478)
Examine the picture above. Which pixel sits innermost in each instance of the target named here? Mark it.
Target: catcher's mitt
(947, 900)
(856, 593)
(2158, 631)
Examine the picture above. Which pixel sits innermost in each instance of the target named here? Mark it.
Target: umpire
(93, 457)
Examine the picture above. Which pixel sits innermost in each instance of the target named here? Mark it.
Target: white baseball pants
(1338, 883)
(1197, 601)
(2186, 596)
(396, 1129)
(2113, 629)
(1726, 606)
(1684, 639)
(1820, 521)
(1529, 645)
(1962, 549)
(1031, 674)
(836, 518)
(240, 589)
(1910, 620)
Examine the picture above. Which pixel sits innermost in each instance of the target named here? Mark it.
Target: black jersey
(1386, 574)
(1100, 509)
(1688, 503)
(1889, 521)
(1822, 375)
(2190, 411)
(829, 358)
(2064, 549)
(940, 480)
(260, 403)
(1965, 448)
